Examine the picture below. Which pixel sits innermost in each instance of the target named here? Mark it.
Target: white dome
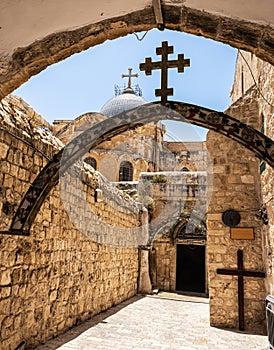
(124, 102)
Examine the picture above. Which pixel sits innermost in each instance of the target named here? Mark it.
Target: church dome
(124, 102)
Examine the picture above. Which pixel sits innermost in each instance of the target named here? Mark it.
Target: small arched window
(126, 171)
(184, 169)
(91, 161)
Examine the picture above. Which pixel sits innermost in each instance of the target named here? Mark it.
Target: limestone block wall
(163, 265)
(192, 155)
(174, 192)
(264, 78)
(66, 130)
(236, 185)
(141, 147)
(266, 105)
(23, 153)
(61, 274)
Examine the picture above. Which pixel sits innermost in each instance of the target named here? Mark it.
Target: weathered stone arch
(28, 61)
(172, 226)
(259, 144)
(183, 221)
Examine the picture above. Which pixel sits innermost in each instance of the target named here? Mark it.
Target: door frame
(197, 243)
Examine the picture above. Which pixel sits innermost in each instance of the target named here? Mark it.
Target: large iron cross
(148, 66)
(129, 76)
(241, 273)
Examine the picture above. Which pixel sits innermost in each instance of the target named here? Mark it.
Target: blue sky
(85, 81)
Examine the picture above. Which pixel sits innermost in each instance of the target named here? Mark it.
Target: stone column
(144, 283)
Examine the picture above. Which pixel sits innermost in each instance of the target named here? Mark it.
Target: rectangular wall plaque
(242, 233)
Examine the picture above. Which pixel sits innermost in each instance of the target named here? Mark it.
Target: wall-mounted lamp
(262, 215)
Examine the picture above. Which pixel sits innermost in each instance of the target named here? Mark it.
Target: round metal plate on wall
(231, 218)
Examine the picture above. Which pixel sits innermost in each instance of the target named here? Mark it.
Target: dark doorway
(190, 272)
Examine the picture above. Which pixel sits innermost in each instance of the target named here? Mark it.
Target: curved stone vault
(242, 33)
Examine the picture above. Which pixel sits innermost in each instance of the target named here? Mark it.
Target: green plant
(159, 179)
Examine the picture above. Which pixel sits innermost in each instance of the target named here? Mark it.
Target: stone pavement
(163, 322)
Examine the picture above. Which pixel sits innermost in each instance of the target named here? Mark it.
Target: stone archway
(24, 62)
(189, 236)
(174, 250)
(261, 145)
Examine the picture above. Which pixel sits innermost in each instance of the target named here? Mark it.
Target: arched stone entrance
(261, 145)
(178, 256)
(190, 238)
(27, 61)
(52, 47)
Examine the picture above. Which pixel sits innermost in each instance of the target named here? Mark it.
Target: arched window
(126, 171)
(91, 161)
(184, 169)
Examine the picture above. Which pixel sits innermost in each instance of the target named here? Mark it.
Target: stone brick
(8, 181)
(5, 306)
(247, 179)
(5, 278)
(5, 292)
(3, 150)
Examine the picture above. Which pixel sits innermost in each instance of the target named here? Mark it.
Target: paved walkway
(164, 322)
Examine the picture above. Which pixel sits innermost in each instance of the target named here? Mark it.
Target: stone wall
(66, 130)
(267, 176)
(163, 265)
(141, 147)
(171, 193)
(191, 155)
(60, 274)
(262, 77)
(236, 186)
(135, 146)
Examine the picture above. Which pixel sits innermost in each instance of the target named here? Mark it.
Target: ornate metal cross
(148, 66)
(129, 76)
(241, 273)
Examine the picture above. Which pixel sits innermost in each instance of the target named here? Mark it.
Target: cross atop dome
(126, 98)
(129, 89)
(129, 76)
